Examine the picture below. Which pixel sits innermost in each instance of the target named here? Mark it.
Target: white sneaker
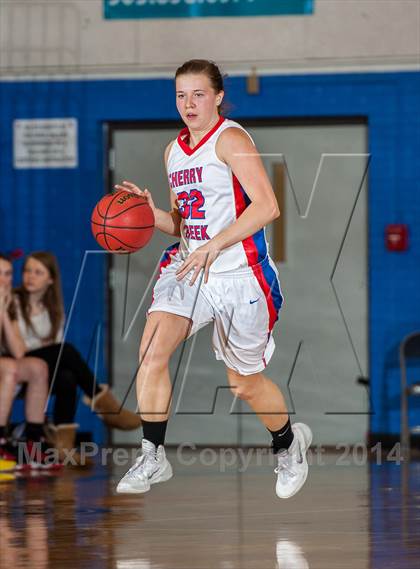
(151, 467)
(292, 468)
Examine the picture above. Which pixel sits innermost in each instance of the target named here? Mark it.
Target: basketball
(123, 222)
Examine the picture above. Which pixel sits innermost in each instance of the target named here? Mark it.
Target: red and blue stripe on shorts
(256, 251)
(165, 260)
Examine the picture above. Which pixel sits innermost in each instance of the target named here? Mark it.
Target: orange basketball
(122, 222)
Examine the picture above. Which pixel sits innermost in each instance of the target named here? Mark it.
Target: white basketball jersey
(210, 199)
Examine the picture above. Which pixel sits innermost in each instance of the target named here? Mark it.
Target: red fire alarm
(396, 237)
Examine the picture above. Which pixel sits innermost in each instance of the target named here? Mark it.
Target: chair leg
(405, 431)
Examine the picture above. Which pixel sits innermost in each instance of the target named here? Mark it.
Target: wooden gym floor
(211, 516)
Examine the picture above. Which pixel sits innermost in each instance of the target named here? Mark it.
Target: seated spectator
(15, 369)
(40, 317)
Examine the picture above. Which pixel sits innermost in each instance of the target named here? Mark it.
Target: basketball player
(220, 272)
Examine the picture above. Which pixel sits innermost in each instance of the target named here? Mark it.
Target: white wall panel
(364, 28)
(72, 35)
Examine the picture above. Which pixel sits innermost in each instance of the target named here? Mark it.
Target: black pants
(72, 372)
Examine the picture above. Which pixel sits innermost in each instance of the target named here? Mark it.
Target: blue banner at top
(138, 9)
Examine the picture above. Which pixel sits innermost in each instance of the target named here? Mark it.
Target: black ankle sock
(34, 431)
(283, 438)
(154, 431)
(2, 432)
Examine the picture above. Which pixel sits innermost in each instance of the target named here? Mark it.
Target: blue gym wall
(50, 209)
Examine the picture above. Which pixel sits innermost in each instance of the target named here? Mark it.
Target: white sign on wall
(45, 143)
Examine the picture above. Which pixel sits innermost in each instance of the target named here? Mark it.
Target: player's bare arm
(236, 149)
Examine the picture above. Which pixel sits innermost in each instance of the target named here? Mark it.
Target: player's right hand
(130, 187)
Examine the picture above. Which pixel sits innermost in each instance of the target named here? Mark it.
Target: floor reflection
(360, 517)
(395, 515)
(290, 555)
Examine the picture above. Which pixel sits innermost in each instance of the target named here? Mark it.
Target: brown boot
(111, 411)
(64, 439)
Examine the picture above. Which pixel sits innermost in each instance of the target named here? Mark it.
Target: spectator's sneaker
(151, 467)
(7, 457)
(35, 455)
(292, 468)
(7, 465)
(7, 476)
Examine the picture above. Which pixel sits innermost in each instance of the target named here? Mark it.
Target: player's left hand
(201, 258)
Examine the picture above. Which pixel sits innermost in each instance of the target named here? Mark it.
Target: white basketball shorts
(243, 305)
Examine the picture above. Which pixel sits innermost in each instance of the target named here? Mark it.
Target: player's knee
(154, 353)
(244, 389)
(154, 356)
(244, 386)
